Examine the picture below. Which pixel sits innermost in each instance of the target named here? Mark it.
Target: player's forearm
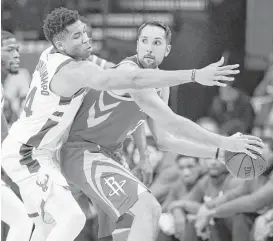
(187, 129)
(186, 147)
(139, 79)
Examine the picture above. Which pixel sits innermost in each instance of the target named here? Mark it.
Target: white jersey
(46, 116)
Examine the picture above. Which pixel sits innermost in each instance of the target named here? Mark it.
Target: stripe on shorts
(99, 164)
(33, 215)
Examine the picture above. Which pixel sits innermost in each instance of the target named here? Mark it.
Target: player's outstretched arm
(184, 128)
(79, 74)
(167, 142)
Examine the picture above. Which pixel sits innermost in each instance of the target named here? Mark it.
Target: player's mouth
(89, 48)
(149, 57)
(15, 64)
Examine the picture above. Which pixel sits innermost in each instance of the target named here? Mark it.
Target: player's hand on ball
(211, 74)
(245, 144)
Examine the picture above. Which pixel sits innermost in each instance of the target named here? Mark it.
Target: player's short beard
(153, 66)
(13, 72)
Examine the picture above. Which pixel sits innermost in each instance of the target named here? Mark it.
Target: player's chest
(106, 102)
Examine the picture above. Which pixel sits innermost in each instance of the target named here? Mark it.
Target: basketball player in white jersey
(13, 211)
(56, 93)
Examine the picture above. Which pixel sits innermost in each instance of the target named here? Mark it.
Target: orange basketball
(243, 166)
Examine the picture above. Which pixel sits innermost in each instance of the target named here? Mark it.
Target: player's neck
(64, 53)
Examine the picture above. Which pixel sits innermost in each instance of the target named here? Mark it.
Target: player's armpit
(165, 94)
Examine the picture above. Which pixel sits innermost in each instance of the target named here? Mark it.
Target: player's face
(10, 57)
(152, 46)
(76, 43)
(190, 169)
(215, 166)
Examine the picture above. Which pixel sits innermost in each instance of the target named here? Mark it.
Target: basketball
(245, 167)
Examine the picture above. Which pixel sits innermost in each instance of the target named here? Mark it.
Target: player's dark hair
(168, 33)
(56, 22)
(6, 35)
(182, 156)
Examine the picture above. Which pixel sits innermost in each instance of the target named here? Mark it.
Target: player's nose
(16, 54)
(85, 38)
(149, 48)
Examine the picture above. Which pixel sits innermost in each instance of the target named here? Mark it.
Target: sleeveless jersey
(46, 116)
(106, 118)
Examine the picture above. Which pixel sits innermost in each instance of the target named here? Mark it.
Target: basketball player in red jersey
(91, 158)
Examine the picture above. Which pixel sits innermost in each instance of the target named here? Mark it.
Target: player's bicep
(72, 77)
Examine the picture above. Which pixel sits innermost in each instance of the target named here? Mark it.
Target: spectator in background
(16, 87)
(190, 172)
(232, 110)
(214, 184)
(15, 83)
(265, 87)
(263, 103)
(253, 197)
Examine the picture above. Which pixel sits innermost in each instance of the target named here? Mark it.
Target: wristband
(193, 75)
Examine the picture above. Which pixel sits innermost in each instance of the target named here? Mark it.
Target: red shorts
(108, 184)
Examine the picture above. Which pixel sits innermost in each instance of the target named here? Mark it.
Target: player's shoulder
(76, 68)
(130, 62)
(127, 65)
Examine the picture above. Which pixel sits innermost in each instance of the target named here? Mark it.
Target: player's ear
(168, 50)
(59, 45)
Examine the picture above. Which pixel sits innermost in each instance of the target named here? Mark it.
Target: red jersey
(106, 118)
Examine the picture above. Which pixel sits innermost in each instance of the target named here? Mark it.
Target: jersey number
(29, 101)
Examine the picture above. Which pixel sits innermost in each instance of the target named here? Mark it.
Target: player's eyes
(76, 36)
(157, 42)
(144, 41)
